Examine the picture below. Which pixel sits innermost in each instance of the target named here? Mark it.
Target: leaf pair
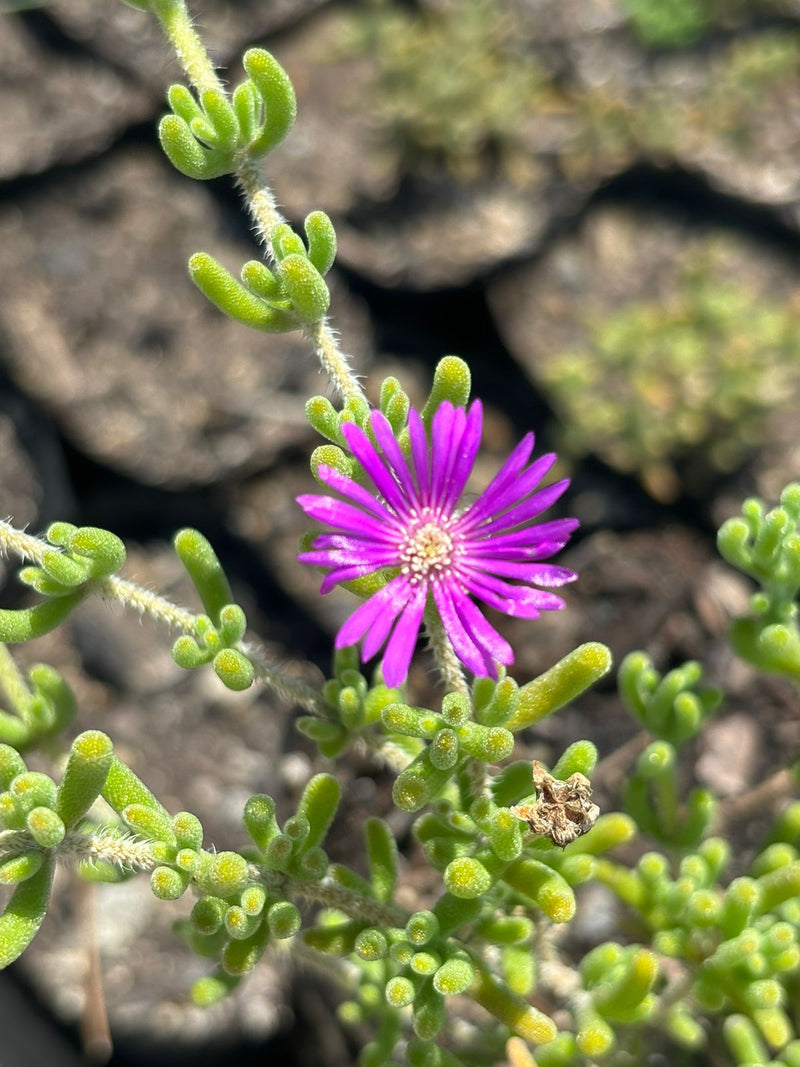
(289, 297)
(207, 136)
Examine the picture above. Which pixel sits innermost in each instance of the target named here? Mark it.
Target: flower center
(426, 551)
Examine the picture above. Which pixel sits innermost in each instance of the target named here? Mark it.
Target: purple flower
(489, 550)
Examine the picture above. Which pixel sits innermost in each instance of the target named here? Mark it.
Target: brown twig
(95, 1031)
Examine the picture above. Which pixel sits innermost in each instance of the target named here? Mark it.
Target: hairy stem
(189, 48)
(446, 660)
(346, 900)
(264, 212)
(291, 689)
(146, 602)
(455, 682)
(22, 544)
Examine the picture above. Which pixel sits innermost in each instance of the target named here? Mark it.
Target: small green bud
(182, 148)
(208, 914)
(45, 827)
(253, 899)
(382, 857)
(455, 709)
(418, 784)
(305, 287)
(233, 669)
(324, 417)
(657, 759)
(33, 789)
(283, 919)
(188, 830)
(422, 927)
(278, 853)
(318, 805)
(443, 751)
(506, 929)
(168, 884)
(11, 765)
(467, 878)
(452, 380)
(424, 963)
(259, 818)
(455, 976)
(277, 93)
(188, 654)
(488, 743)
(188, 860)
(428, 1012)
(312, 865)
(240, 957)
(321, 238)
(502, 705)
(764, 993)
(371, 944)
(402, 952)
(20, 868)
(239, 925)
(580, 758)
(24, 913)
(595, 1038)
(149, 824)
(228, 873)
(399, 992)
(212, 988)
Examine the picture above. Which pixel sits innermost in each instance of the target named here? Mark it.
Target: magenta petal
(518, 601)
(348, 573)
(546, 574)
(388, 442)
(441, 449)
(471, 655)
(525, 511)
(352, 490)
(530, 537)
(482, 632)
(489, 508)
(400, 649)
(465, 454)
(347, 518)
(419, 455)
(391, 599)
(375, 637)
(484, 506)
(385, 482)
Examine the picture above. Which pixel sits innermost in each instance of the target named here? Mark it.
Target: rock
(664, 349)
(106, 331)
(56, 109)
(133, 40)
